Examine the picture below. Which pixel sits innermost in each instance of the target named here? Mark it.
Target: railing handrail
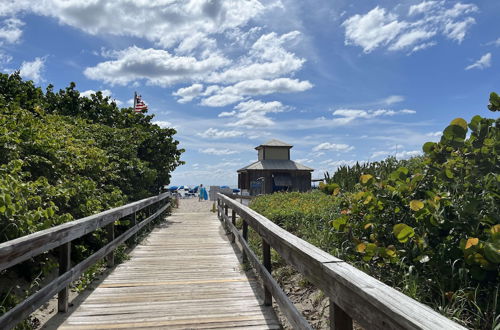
(353, 294)
(20, 249)
(15, 251)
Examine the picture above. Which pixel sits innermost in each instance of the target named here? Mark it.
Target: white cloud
(494, 43)
(483, 63)
(213, 133)
(163, 123)
(33, 70)
(236, 92)
(226, 114)
(164, 22)
(267, 59)
(87, 93)
(348, 115)
(187, 94)
(382, 28)
(393, 99)
(400, 155)
(218, 152)
(11, 31)
(156, 66)
(434, 134)
(376, 28)
(252, 113)
(333, 146)
(303, 160)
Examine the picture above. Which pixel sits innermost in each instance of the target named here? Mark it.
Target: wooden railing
(353, 294)
(18, 250)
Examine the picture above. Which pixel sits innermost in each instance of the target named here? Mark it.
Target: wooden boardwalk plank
(184, 275)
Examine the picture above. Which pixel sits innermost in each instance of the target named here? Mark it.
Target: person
(202, 193)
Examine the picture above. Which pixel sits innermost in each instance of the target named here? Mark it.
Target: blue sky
(343, 81)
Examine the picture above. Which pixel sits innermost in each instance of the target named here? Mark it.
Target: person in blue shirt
(202, 195)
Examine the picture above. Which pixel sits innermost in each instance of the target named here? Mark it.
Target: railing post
(64, 266)
(134, 221)
(245, 237)
(233, 221)
(110, 229)
(339, 320)
(218, 211)
(266, 255)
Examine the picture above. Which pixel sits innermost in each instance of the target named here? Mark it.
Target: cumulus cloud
(165, 23)
(163, 123)
(401, 154)
(87, 93)
(333, 147)
(11, 32)
(213, 133)
(156, 66)
(380, 28)
(483, 63)
(218, 152)
(187, 94)
(234, 93)
(253, 113)
(345, 116)
(33, 70)
(267, 59)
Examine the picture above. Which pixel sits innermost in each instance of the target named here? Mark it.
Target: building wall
(261, 154)
(276, 153)
(301, 180)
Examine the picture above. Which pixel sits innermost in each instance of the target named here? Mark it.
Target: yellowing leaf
(368, 225)
(416, 205)
(365, 178)
(495, 229)
(459, 122)
(361, 247)
(471, 241)
(336, 191)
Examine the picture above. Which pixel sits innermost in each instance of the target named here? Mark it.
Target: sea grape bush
(430, 227)
(64, 157)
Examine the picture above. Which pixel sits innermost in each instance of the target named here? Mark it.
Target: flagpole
(135, 100)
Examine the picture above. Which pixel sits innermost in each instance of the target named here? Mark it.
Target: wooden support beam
(244, 233)
(266, 256)
(339, 319)
(110, 233)
(64, 266)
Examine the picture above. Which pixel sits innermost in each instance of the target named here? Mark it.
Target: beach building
(274, 171)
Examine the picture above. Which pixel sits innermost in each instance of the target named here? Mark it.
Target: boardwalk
(185, 275)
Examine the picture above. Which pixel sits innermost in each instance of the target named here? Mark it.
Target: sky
(342, 81)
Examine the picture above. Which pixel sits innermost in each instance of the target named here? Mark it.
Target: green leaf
(492, 252)
(403, 232)
(454, 132)
(427, 148)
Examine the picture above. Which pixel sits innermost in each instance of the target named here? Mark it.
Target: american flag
(139, 105)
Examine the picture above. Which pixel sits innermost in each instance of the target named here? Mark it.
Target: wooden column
(110, 233)
(218, 211)
(266, 255)
(134, 222)
(233, 221)
(245, 237)
(64, 266)
(339, 320)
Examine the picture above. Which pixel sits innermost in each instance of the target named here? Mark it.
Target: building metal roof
(272, 164)
(274, 143)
